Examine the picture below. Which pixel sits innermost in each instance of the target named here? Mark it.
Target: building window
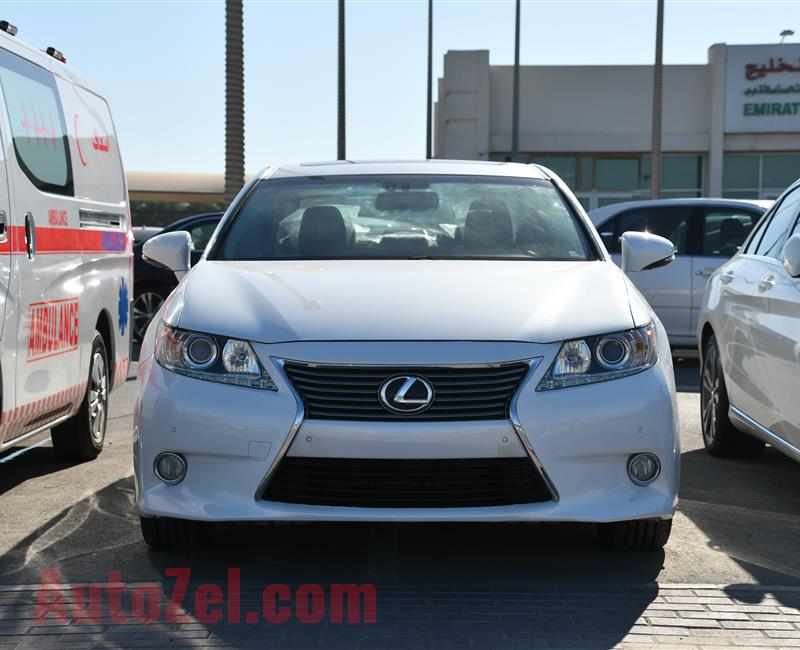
(617, 173)
(565, 166)
(758, 176)
(681, 175)
(601, 179)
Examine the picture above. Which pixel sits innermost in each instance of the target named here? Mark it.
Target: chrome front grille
(331, 392)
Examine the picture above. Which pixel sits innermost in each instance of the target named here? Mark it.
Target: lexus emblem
(406, 394)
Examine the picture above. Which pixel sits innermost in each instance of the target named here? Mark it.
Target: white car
(705, 232)
(65, 254)
(750, 341)
(431, 341)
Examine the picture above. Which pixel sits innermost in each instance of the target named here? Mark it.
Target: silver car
(749, 333)
(705, 233)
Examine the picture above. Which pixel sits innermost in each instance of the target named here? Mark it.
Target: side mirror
(170, 250)
(642, 251)
(791, 256)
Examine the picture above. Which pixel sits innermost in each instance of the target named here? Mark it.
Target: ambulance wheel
(82, 436)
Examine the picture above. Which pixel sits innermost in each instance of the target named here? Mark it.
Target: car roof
(600, 215)
(25, 50)
(183, 221)
(424, 167)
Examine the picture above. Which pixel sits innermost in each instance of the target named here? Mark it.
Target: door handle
(766, 283)
(704, 273)
(30, 235)
(3, 226)
(726, 277)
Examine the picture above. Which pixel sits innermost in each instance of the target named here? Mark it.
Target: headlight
(209, 357)
(600, 358)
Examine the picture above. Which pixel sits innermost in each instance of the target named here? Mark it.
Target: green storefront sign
(770, 108)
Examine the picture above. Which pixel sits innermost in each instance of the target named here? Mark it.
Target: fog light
(643, 468)
(170, 467)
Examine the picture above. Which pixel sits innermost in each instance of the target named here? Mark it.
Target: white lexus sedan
(429, 341)
(750, 341)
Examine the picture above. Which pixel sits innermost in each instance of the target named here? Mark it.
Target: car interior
(399, 223)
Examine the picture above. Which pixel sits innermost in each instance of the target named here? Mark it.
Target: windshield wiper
(423, 257)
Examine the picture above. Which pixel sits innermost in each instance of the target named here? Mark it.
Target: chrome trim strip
(24, 450)
(762, 432)
(299, 416)
(533, 364)
(523, 437)
(8, 442)
(328, 364)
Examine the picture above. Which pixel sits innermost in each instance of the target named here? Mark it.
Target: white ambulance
(65, 253)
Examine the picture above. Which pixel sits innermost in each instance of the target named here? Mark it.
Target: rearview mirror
(642, 251)
(170, 250)
(406, 201)
(791, 256)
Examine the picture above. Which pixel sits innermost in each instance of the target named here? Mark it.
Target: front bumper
(232, 436)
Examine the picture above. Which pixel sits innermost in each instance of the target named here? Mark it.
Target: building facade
(159, 198)
(731, 126)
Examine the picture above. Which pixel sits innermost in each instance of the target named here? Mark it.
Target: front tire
(83, 435)
(638, 534)
(169, 533)
(720, 437)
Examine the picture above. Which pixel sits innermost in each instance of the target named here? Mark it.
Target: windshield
(404, 217)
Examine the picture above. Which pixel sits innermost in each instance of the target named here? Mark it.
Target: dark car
(152, 284)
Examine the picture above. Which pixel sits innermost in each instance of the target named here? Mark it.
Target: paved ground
(729, 576)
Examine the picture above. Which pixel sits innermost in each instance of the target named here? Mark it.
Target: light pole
(658, 78)
(429, 131)
(785, 33)
(515, 108)
(340, 132)
(234, 99)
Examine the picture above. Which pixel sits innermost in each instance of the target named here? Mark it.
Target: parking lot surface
(730, 575)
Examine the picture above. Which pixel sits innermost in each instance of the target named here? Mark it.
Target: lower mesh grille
(406, 483)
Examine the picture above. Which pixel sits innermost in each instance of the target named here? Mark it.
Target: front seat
(488, 225)
(731, 235)
(323, 232)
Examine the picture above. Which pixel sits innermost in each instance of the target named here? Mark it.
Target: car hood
(408, 300)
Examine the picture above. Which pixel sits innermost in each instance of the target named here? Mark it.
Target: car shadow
(498, 585)
(29, 462)
(503, 585)
(748, 509)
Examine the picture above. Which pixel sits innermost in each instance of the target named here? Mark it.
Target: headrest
(488, 225)
(322, 232)
(732, 230)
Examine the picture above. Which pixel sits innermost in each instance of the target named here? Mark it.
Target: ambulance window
(37, 124)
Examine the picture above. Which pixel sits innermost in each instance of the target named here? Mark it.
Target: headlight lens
(600, 358)
(197, 355)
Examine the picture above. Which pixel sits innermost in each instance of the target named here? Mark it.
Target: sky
(162, 65)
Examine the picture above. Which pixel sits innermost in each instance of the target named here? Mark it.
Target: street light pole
(340, 134)
(515, 109)
(429, 131)
(234, 99)
(658, 79)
